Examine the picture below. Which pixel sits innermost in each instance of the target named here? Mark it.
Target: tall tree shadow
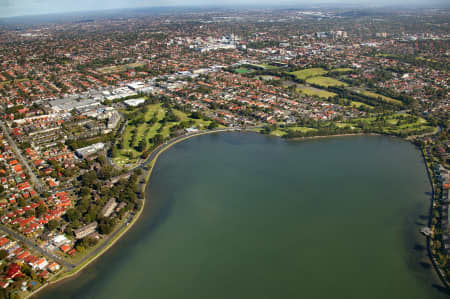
(441, 289)
(423, 217)
(424, 265)
(419, 247)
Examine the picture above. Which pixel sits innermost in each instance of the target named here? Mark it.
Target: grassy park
(325, 81)
(394, 124)
(264, 66)
(280, 132)
(316, 72)
(118, 68)
(147, 127)
(382, 97)
(341, 70)
(316, 77)
(357, 104)
(310, 91)
(242, 70)
(308, 73)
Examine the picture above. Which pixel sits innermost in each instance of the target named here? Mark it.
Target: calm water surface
(241, 215)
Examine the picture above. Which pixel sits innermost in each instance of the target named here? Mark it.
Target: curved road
(114, 234)
(146, 162)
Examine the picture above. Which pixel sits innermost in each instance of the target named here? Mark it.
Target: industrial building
(87, 151)
(63, 105)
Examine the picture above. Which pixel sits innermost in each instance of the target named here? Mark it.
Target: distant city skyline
(10, 8)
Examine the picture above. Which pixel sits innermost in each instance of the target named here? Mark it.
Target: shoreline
(337, 135)
(148, 162)
(436, 267)
(151, 162)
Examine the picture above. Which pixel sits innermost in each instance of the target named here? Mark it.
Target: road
(59, 260)
(34, 179)
(105, 242)
(438, 129)
(114, 234)
(39, 187)
(30, 244)
(152, 156)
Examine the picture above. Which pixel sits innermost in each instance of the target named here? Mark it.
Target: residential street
(36, 182)
(32, 245)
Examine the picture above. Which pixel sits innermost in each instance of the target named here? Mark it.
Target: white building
(90, 150)
(134, 102)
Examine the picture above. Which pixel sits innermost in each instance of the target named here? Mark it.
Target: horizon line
(323, 5)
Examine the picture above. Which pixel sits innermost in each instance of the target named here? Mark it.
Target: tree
(171, 116)
(40, 210)
(87, 242)
(73, 215)
(213, 125)
(101, 160)
(93, 211)
(29, 213)
(87, 218)
(84, 191)
(83, 205)
(80, 248)
(106, 227)
(52, 224)
(26, 269)
(141, 145)
(196, 115)
(89, 179)
(157, 139)
(22, 202)
(3, 254)
(106, 172)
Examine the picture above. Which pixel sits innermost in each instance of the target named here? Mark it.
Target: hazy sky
(33, 7)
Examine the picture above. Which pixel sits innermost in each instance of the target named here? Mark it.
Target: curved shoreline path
(76, 269)
(223, 224)
(167, 144)
(128, 223)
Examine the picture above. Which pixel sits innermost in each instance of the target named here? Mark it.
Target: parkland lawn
(310, 91)
(264, 66)
(134, 133)
(391, 124)
(395, 124)
(280, 132)
(242, 70)
(325, 81)
(316, 72)
(119, 68)
(341, 70)
(308, 73)
(374, 95)
(357, 104)
(315, 76)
